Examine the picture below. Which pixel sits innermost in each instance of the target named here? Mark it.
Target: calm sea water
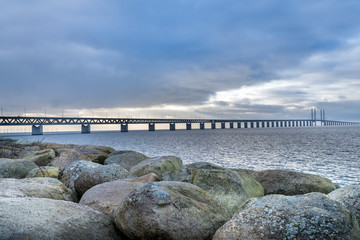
(332, 152)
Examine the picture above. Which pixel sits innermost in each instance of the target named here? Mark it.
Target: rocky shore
(57, 191)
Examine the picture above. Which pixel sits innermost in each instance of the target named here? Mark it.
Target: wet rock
(36, 187)
(45, 171)
(73, 170)
(126, 159)
(309, 216)
(90, 177)
(161, 166)
(169, 210)
(292, 183)
(106, 197)
(230, 188)
(41, 158)
(40, 218)
(15, 168)
(350, 197)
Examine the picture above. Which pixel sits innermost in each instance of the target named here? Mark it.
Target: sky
(239, 59)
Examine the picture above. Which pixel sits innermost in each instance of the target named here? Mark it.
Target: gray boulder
(41, 158)
(292, 183)
(169, 210)
(106, 197)
(126, 159)
(67, 153)
(15, 168)
(36, 187)
(90, 177)
(350, 197)
(161, 166)
(73, 170)
(309, 216)
(230, 188)
(45, 171)
(40, 218)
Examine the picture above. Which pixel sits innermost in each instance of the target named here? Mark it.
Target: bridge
(37, 123)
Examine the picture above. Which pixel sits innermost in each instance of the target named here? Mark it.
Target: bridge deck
(6, 120)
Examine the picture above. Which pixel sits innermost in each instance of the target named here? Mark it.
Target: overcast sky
(181, 58)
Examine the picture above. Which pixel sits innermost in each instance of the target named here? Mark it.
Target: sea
(332, 152)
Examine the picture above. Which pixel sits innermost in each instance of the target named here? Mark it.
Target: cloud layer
(212, 58)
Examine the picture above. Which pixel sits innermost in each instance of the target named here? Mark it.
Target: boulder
(73, 170)
(40, 218)
(90, 177)
(126, 159)
(41, 158)
(15, 168)
(169, 210)
(106, 197)
(161, 166)
(67, 154)
(36, 187)
(292, 183)
(309, 216)
(45, 171)
(230, 188)
(150, 177)
(350, 197)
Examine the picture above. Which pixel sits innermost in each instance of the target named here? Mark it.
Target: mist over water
(332, 152)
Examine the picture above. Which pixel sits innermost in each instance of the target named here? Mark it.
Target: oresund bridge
(37, 123)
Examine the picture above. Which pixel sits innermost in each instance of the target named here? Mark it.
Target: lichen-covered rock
(73, 170)
(161, 166)
(36, 187)
(15, 168)
(230, 188)
(41, 158)
(90, 177)
(292, 183)
(350, 197)
(169, 210)
(106, 197)
(40, 218)
(67, 154)
(126, 159)
(309, 216)
(45, 171)
(150, 177)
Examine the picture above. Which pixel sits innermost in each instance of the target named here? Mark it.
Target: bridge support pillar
(222, 125)
(281, 124)
(188, 126)
(297, 123)
(277, 124)
(285, 124)
(245, 124)
(85, 128)
(124, 127)
(231, 125)
(37, 130)
(251, 124)
(257, 124)
(202, 126)
(172, 126)
(262, 124)
(239, 124)
(151, 127)
(268, 124)
(272, 124)
(213, 125)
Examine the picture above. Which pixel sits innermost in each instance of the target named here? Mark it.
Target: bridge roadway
(38, 122)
